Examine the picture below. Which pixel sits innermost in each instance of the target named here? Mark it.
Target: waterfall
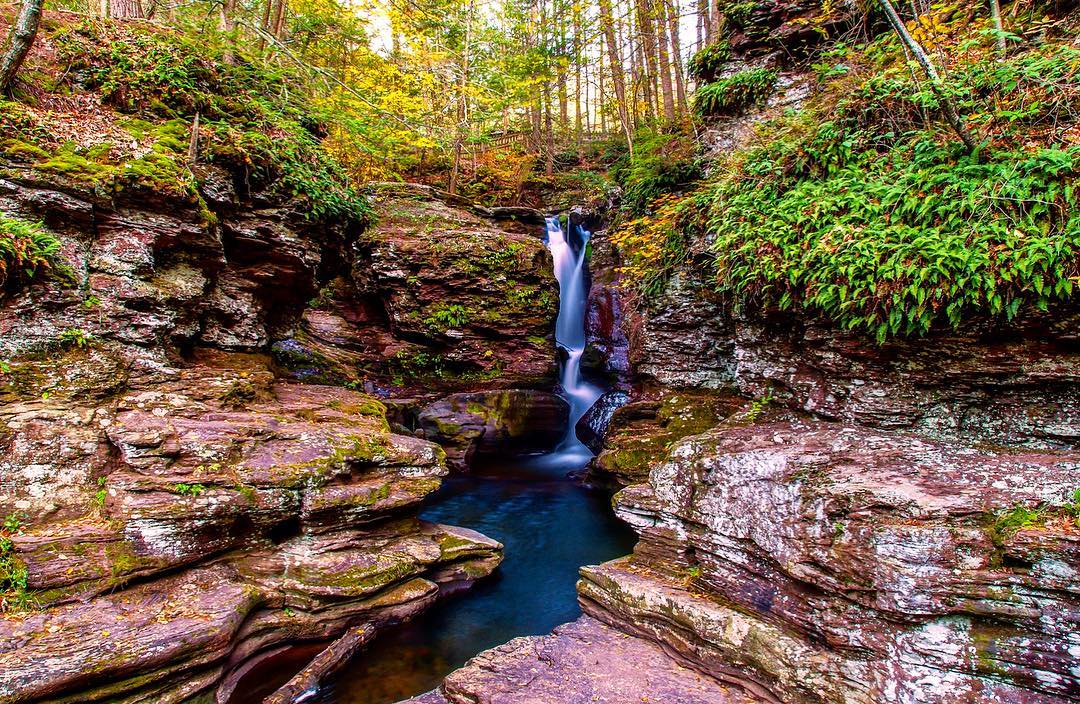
(568, 252)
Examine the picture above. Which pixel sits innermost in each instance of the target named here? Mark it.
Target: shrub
(736, 93)
(707, 63)
(661, 163)
(26, 248)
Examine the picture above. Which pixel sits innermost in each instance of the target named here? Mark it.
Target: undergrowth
(14, 595)
(736, 93)
(862, 208)
(255, 117)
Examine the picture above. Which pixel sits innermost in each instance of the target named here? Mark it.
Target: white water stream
(568, 251)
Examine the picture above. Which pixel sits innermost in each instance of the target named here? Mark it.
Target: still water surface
(550, 527)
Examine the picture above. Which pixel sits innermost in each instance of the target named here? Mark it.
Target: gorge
(536, 352)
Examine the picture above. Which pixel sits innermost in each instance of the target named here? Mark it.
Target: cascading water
(568, 252)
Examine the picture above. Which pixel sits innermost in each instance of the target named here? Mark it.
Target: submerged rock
(515, 421)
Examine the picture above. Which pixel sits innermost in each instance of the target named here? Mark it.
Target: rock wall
(178, 508)
(438, 297)
(818, 562)
(826, 519)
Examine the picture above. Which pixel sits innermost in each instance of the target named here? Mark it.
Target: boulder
(593, 426)
(515, 421)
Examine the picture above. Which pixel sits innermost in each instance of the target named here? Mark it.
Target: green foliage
(26, 248)
(257, 116)
(14, 577)
(189, 489)
(1005, 524)
(77, 338)
(893, 242)
(661, 163)
(1029, 91)
(862, 209)
(758, 406)
(738, 13)
(707, 63)
(736, 93)
(447, 316)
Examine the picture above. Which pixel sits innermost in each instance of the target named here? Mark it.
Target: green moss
(72, 162)
(19, 150)
(239, 394)
(364, 449)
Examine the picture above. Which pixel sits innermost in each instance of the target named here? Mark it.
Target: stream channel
(549, 524)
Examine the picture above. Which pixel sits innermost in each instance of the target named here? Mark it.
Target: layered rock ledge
(817, 562)
(290, 508)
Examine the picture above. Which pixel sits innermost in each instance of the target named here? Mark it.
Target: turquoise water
(550, 527)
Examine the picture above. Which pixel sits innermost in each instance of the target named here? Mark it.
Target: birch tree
(19, 41)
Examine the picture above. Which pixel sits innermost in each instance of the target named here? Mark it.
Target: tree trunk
(279, 18)
(716, 22)
(947, 104)
(125, 9)
(265, 24)
(19, 41)
(648, 47)
(226, 26)
(602, 93)
(999, 28)
(617, 78)
(664, 64)
(672, 10)
(578, 54)
(462, 103)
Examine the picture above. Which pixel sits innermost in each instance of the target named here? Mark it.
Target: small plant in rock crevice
(26, 249)
(447, 317)
(14, 595)
(758, 407)
(76, 338)
(189, 489)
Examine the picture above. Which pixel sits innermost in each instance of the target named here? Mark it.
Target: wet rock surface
(593, 426)
(583, 661)
(510, 422)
